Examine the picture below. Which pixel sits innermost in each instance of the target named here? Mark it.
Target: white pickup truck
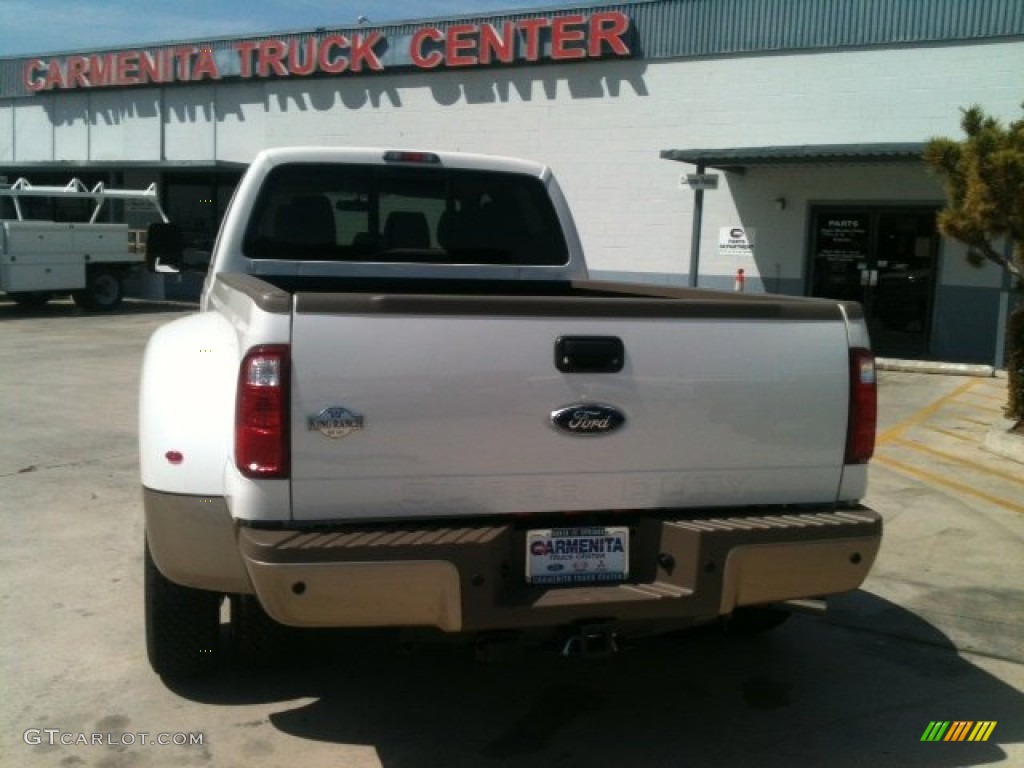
(404, 404)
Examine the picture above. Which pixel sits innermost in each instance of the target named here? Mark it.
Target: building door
(884, 258)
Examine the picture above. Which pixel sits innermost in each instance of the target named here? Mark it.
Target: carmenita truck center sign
(542, 38)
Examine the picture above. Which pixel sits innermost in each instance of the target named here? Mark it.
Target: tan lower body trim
(419, 593)
(769, 573)
(193, 541)
(469, 577)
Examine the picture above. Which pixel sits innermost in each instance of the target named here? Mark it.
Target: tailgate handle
(589, 354)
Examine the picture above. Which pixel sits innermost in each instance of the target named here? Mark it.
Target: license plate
(577, 555)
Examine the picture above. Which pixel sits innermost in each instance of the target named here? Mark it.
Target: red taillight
(261, 413)
(860, 434)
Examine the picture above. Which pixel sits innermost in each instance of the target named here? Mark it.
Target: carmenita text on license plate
(577, 555)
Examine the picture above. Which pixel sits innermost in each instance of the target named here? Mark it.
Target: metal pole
(698, 212)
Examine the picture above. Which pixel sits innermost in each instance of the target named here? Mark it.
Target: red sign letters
(559, 38)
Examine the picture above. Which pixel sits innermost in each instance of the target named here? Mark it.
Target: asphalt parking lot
(936, 634)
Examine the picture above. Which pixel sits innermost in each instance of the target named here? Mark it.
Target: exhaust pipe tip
(810, 606)
(592, 641)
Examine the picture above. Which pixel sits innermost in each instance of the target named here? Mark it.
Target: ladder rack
(77, 189)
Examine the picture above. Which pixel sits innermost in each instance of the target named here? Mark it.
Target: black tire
(182, 626)
(32, 299)
(754, 620)
(259, 642)
(104, 291)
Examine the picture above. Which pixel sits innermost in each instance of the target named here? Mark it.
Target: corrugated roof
(730, 158)
(673, 28)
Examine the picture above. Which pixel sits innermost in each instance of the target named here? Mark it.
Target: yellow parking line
(931, 477)
(1001, 398)
(994, 388)
(951, 433)
(924, 414)
(979, 422)
(1013, 478)
(978, 406)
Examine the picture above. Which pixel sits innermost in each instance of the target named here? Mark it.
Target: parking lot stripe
(976, 422)
(951, 433)
(987, 408)
(925, 413)
(996, 395)
(1013, 478)
(942, 480)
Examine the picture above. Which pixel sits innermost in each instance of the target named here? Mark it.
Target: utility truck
(40, 259)
(403, 403)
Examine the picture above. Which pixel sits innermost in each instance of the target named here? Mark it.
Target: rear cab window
(367, 213)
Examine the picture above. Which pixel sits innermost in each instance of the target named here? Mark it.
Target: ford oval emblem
(588, 419)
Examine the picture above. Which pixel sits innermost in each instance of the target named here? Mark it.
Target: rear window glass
(331, 212)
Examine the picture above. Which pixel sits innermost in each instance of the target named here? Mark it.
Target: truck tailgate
(417, 406)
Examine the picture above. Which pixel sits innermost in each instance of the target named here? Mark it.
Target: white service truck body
(89, 259)
(427, 416)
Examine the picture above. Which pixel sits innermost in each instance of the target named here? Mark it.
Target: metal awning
(739, 158)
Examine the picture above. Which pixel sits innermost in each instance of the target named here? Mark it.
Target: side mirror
(164, 249)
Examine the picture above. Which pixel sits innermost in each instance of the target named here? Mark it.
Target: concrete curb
(931, 366)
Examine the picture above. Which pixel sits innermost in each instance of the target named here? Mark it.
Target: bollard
(740, 283)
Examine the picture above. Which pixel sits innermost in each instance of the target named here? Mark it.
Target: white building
(811, 115)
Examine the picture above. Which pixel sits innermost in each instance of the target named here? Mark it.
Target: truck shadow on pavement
(810, 693)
